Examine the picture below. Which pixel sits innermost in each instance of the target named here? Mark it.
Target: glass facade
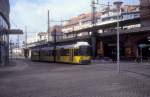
(4, 42)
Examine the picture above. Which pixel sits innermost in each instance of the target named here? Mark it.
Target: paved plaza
(24, 78)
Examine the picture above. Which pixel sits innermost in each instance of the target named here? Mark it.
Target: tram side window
(58, 52)
(85, 50)
(76, 52)
(35, 53)
(45, 53)
(64, 52)
(61, 52)
(50, 53)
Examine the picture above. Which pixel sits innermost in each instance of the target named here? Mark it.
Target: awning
(11, 31)
(14, 31)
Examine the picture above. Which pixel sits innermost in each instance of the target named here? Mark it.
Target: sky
(33, 13)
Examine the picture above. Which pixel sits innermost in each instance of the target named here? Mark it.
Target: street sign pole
(118, 6)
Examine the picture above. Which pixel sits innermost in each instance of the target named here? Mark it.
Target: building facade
(43, 36)
(56, 31)
(134, 38)
(145, 12)
(4, 36)
(102, 17)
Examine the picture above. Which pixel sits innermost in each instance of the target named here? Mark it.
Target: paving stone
(33, 79)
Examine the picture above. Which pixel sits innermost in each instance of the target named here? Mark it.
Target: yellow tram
(35, 54)
(78, 53)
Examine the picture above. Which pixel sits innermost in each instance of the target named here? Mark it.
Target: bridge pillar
(100, 49)
(131, 45)
(130, 52)
(145, 13)
(93, 44)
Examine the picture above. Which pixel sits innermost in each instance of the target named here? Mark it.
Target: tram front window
(85, 51)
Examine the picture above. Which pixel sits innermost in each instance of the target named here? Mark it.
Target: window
(50, 53)
(76, 52)
(82, 51)
(64, 52)
(4, 41)
(35, 53)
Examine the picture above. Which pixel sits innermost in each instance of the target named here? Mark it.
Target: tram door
(71, 55)
(58, 53)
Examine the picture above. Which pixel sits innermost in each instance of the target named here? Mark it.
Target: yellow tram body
(46, 54)
(75, 54)
(35, 55)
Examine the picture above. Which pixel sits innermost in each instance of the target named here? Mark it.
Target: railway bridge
(105, 45)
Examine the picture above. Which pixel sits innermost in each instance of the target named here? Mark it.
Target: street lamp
(118, 6)
(93, 22)
(26, 37)
(48, 30)
(93, 3)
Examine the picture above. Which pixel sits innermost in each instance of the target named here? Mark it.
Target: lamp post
(48, 30)
(18, 46)
(10, 45)
(118, 6)
(93, 22)
(26, 36)
(55, 44)
(26, 44)
(93, 12)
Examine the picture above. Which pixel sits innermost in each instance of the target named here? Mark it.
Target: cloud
(33, 13)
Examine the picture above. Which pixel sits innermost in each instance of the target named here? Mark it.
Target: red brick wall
(131, 44)
(145, 12)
